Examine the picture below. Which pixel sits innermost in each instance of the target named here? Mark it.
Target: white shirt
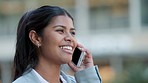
(42, 80)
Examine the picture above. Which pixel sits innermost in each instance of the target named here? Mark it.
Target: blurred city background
(115, 31)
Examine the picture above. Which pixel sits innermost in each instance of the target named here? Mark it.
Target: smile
(67, 49)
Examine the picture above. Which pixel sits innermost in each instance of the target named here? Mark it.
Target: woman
(45, 41)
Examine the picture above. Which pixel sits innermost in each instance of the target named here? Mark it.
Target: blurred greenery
(135, 73)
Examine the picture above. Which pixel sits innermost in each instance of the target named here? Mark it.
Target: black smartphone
(77, 57)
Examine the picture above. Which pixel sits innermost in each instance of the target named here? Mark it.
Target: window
(109, 14)
(144, 12)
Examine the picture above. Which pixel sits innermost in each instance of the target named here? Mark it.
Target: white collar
(42, 80)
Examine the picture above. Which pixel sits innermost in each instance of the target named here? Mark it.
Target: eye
(73, 33)
(60, 31)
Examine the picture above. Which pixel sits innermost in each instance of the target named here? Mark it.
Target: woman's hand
(86, 63)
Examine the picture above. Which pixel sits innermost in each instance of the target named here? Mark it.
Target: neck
(49, 71)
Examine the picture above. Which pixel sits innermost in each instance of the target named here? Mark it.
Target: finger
(87, 59)
(88, 54)
(79, 45)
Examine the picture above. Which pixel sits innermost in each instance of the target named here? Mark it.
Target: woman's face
(58, 40)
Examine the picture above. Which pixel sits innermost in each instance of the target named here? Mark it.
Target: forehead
(62, 20)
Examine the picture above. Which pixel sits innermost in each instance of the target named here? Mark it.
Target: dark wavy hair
(26, 56)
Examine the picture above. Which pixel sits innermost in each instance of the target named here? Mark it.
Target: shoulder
(21, 79)
(27, 77)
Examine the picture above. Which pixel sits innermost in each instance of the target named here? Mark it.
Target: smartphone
(77, 57)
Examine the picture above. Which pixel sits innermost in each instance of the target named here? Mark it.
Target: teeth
(66, 47)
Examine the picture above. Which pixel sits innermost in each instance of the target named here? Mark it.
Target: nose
(69, 38)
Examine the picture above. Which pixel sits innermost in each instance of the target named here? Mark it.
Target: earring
(39, 45)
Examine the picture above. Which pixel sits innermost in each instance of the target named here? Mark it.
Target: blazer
(89, 75)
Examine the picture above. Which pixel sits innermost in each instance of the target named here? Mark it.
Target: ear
(36, 40)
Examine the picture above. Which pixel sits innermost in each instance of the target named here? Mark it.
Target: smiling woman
(45, 41)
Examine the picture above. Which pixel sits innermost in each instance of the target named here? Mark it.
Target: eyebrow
(64, 27)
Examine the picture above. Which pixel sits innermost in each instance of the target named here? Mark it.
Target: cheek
(53, 39)
(50, 45)
(75, 42)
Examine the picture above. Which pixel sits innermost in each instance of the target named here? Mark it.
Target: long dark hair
(26, 56)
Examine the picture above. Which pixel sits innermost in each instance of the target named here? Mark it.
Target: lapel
(65, 77)
(31, 77)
